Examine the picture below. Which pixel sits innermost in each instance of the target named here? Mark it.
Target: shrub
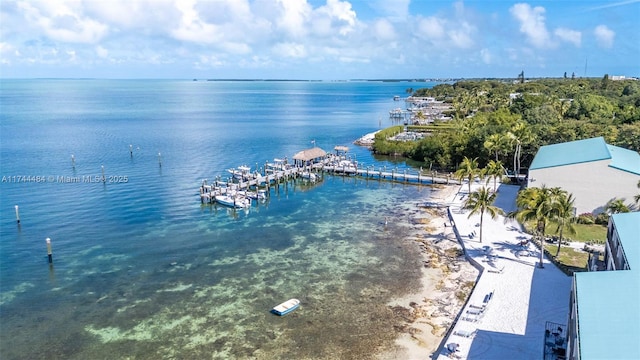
(602, 219)
(586, 218)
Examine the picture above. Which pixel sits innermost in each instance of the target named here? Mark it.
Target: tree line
(509, 121)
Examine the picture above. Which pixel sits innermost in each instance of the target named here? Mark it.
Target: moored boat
(241, 173)
(309, 176)
(286, 307)
(259, 195)
(233, 201)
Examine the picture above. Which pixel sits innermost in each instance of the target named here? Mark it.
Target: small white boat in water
(233, 201)
(260, 195)
(286, 307)
(309, 176)
(241, 173)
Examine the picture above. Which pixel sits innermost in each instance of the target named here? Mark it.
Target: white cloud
(151, 17)
(293, 17)
(102, 52)
(532, 23)
(61, 22)
(292, 50)
(447, 31)
(350, 59)
(207, 61)
(384, 30)
(340, 15)
(192, 28)
(604, 36)
(6, 50)
(395, 10)
(72, 55)
(568, 35)
(307, 35)
(431, 28)
(461, 36)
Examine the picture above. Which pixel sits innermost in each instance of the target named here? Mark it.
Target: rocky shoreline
(447, 281)
(366, 140)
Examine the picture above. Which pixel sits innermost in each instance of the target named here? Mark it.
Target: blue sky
(317, 39)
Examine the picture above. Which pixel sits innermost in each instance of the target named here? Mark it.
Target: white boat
(260, 195)
(241, 172)
(309, 175)
(277, 165)
(233, 201)
(286, 307)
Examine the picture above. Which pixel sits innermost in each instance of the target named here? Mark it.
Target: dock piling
(49, 252)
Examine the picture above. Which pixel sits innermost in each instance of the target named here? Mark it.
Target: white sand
(366, 140)
(524, 298)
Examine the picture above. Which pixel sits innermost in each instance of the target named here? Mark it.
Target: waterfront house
(604, 318)
(592, 170)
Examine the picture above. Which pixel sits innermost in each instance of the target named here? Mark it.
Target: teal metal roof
(624, 159)
(628, 227)
(609, 301)
(573, 152)
(608, 314)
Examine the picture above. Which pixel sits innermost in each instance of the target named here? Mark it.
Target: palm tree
(564, 214)
(497, 143)
(535, 204)
(520, 134)
(494, 169)
(637, 197)
(468, 170)
(481, 202)
(616, 206)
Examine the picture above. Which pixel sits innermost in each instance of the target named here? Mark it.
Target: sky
(318, 39)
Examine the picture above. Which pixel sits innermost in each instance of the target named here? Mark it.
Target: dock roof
(587, 150)
(310, 154)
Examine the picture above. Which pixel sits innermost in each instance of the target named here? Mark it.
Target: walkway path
(524, 296)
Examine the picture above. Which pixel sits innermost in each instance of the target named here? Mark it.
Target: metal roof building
(592, 170)
(604, 321)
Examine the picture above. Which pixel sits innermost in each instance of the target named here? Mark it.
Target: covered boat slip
(286, 307)
(309, 156)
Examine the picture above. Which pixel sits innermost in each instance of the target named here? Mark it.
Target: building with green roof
(604, 319)
(590, 169)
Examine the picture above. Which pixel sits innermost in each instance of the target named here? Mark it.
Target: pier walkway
(280, 171)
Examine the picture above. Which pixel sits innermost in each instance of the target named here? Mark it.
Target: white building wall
(592, 184)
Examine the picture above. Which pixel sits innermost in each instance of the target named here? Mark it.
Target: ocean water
(141, 269)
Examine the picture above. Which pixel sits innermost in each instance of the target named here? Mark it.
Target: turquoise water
(142, 269)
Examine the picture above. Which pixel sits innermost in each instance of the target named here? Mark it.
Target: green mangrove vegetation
(509, 121)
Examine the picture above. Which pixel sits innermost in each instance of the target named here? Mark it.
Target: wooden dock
(272, 175)
(406, 176)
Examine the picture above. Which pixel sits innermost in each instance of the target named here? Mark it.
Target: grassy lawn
(583, 233)
(568, 256)
(573, 259)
